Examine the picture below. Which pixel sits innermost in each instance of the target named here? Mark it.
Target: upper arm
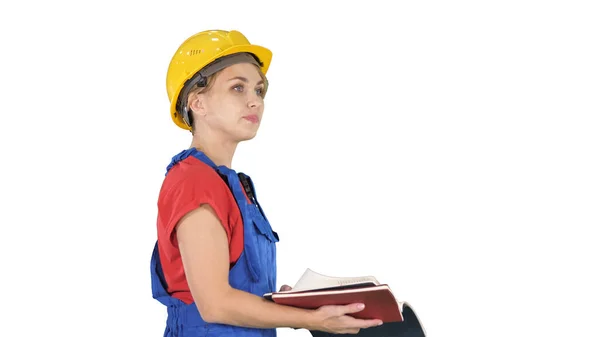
(197, 220)
(204, 251)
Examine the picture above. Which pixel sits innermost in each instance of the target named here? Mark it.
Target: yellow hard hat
(216, 49)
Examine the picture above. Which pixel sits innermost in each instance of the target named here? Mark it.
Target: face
(233, 107)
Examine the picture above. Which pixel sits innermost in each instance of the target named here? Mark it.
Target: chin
(247, 132)
(241, 137)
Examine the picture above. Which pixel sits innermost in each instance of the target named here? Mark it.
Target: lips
(251, 118)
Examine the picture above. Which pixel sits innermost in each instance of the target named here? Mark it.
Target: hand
(333, 319)
(285, 287)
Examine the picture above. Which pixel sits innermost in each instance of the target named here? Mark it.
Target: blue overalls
(254, 272)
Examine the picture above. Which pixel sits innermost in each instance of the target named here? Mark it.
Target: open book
(311, 280)
(314, 290)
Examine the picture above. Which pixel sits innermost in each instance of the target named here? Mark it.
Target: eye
(239, 88)
(260, 91)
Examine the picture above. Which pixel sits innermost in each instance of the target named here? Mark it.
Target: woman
(215, 253)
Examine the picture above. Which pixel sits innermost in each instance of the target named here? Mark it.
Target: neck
(221, 153)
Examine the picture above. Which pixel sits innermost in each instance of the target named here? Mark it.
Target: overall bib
(254, 272)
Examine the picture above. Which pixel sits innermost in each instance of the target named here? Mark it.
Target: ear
(196, 103)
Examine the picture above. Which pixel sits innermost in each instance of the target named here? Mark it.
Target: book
(314, 290)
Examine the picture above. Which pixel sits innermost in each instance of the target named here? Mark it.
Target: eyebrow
(243, 79)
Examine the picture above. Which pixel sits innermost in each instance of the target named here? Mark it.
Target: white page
(311, 279)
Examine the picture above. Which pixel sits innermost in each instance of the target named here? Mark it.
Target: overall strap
(251, 191)
(190, 152)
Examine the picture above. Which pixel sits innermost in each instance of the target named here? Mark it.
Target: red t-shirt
(187, 185)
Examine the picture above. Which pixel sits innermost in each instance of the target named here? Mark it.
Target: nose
(254, 102)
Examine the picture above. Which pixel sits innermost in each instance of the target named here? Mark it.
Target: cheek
(231, 109)
(226, 112)
(226, 108)
(234, 106)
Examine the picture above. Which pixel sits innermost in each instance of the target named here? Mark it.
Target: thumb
(285, 287)
(351, 308)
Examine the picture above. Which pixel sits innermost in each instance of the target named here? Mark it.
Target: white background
(449, 148)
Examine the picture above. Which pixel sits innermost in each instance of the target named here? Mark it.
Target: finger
(285, 287)
(350, 331)
(352, 308)
(362, 323)
(368, 323)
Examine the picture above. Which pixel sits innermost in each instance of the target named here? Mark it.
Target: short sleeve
(186, 189)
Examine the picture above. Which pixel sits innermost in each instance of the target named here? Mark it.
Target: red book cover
(379, 301)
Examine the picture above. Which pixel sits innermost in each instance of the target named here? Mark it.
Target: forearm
(241, 308)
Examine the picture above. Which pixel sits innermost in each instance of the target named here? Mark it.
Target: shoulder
(191, 172)
(190, 184)
(193, 181)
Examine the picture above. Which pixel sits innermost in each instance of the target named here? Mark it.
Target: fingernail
(361, 306)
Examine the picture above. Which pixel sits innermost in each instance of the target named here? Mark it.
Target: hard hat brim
(263, 54)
